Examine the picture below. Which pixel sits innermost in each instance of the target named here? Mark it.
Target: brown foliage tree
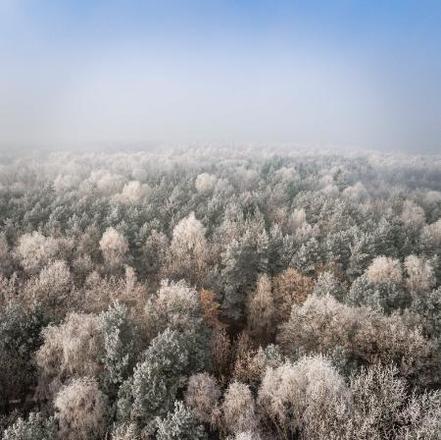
(289, 287)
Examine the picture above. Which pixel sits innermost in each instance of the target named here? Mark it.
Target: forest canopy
(220, 294)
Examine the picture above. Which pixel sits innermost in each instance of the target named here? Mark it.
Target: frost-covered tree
(290, 287)
(205, 183)
(328, 284)
(34, 427)
(322, 325)
(104, 181)
(356, 192)
(72, 349)
(176, 306)
(202, 396)
(308, 257)
(238, 409)
(431, 237)
(133, 192)
(383, 270)
(250, 363)
(180, 424)
(362, 253)
(154, 252)
(99, 292)
(114, 247)
(157, 379)
(386, 296)
(81, 410)
(378, 396)
(420, 274)
(34, 250)
(243, 258)
(428, 307)
(380, 286)
(52, 289)
(309, 398)
(260, 308)
(188, 251)
(413, 216)
(119, 346)
(337, 248)
(126, 431)
(421, 417)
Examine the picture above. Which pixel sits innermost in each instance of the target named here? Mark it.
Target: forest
(219, 293)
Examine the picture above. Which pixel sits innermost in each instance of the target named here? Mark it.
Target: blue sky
(318, 73)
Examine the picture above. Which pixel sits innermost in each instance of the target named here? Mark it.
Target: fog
(111, 74)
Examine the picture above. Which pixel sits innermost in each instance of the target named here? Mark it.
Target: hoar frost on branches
(114, 247)
(188, 249)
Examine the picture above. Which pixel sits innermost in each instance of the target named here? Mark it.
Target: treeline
(220, 294)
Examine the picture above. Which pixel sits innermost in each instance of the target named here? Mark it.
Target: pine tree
(180, 424)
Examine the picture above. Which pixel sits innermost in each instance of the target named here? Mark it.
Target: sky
(329, 73)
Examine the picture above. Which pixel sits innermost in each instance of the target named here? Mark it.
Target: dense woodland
(220, 294)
